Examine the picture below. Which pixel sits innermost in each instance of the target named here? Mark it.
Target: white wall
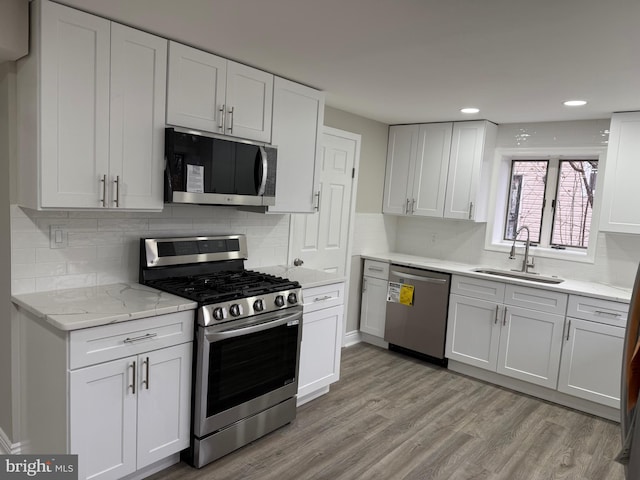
(103, 247)
(617, 255)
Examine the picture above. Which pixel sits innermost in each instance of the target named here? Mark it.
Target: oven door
(245, 367)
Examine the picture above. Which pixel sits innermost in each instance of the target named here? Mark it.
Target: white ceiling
(405, 61)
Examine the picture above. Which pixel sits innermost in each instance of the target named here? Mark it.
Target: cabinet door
(530, 343)
(197, 83)
(473, 331)
(401, 154)
(591, 362)
(320, 349)
(432, 164)
(621, 173)
(102, 410)
(74, 107)
(374, 306)
(138, 92)
(249, 102)
(298, 116)
(164, 396)
(465, 168)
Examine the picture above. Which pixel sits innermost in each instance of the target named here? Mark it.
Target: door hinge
(353, 173)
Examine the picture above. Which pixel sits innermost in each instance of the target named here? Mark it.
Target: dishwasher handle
(419, 278)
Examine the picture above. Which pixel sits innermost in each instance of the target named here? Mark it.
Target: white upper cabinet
(621, 173)
(439, 169)
(90, 102)
(211, 93)
(470, 170)
(298, 116)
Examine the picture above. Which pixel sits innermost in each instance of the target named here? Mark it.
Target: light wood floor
(392, 417)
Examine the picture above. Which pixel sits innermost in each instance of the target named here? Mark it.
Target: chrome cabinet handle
(504, 317)
(364, 284)
(413, 206)
(568, 330)
(133, 383)
(406, 208)
(470, 210)
(103, 200)
(141, 337)
(603, 312)
(317, 195)
(495, 322)
(117, 199)
(223, 113)
(322, 299)
(230, 120)
(145, 382)
(375, 269)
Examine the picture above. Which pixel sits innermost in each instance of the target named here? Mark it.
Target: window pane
(526, 196)
(574, 203)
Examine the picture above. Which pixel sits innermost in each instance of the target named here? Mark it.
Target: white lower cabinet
(126, 400)
(321, 340)
(592, 353)
(518, 342)
(139, 406)
(373, 306)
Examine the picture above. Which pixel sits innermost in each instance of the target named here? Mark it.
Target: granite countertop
(306, 277)
(77, 308)
(576, 287)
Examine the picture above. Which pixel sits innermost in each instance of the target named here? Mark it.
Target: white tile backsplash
(103, 247)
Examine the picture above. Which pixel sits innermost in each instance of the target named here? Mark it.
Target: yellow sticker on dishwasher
(406, 294)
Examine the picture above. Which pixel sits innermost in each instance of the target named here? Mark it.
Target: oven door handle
(236, 332)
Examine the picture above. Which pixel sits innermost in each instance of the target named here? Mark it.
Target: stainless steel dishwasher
(417, 305)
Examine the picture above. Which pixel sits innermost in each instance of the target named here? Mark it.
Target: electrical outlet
(58, 237)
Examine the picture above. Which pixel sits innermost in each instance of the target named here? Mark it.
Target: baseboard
(154, 467)
(6, 447)
(373, 340)
(351, 338)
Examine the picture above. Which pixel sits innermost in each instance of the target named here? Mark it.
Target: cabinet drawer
(478, 288)
(326, 296)
(536, 299)
(373, 268)
(109, 342)
(598, 310)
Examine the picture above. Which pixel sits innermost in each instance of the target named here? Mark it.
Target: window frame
(499, 193)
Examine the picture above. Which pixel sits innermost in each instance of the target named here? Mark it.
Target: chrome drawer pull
(375, 269)
(602, 312)
(322, 299)
(141, 337)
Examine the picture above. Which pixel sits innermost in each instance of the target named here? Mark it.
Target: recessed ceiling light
(575, 103)
(470, 110)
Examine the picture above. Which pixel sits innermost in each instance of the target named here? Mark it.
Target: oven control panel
(246, 307)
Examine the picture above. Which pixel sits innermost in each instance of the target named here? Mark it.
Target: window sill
(581, 256)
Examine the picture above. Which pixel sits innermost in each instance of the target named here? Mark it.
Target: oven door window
(245, 367)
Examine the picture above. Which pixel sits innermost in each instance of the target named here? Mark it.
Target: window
(554, 198)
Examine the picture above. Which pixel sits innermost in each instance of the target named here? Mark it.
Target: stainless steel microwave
(210, 169)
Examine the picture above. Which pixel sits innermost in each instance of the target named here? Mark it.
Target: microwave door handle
(263, 176)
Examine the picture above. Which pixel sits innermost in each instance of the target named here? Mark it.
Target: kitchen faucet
(525, 261)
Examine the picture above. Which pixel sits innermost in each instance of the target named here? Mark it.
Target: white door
(530, 344)
(592, 361)
(164, 397)
(432, 165)
(102, 409)
(74, 106)
(373, 306)
(138, 92)
(320, 239)
(401, 158)
(197, 84)
(249, 102)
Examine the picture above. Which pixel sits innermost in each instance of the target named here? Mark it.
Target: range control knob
(218, 313)
(235, 310)
(292, 298)
(258, 305)
(279, 301)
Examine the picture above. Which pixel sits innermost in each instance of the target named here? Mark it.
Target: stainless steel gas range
(247, 345)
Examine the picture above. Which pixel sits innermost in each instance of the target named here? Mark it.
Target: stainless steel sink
(533, 277)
